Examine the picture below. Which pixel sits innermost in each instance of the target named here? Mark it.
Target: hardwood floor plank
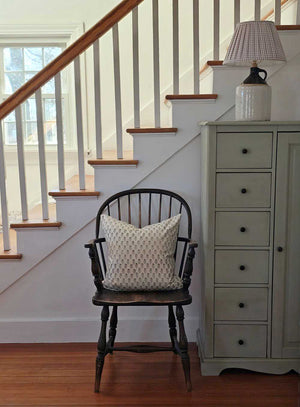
(61, 375)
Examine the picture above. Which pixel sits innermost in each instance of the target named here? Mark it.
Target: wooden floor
(63, 374)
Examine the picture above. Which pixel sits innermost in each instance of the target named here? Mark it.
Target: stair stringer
(38, 243)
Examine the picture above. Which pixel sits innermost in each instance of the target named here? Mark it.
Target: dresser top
(252, 123)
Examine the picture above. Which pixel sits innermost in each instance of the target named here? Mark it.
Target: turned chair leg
(113, 327)
(183, 345)
(101, 347)
(172, 327)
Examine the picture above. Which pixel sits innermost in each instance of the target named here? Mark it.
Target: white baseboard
(87, 330)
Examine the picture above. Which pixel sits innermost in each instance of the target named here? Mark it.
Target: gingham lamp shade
(255, 41)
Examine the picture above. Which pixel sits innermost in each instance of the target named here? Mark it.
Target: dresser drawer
(243, 190)
(244, 150)
(238, 341)
(241, 266)
(241, 304)
(242, 228)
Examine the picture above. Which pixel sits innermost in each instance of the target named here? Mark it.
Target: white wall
(53, 301)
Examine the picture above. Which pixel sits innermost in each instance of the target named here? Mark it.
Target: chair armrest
(93, 242)
(95, 262)
(193, 244)
(188, 267)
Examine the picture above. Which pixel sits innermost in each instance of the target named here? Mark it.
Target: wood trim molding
(214, 63)
(62, 193)
(42, 33)
(26, 224)
(67, 56)
(10, 256)
(152, 130)
(195, 97)
(288, 27)
(118, 161)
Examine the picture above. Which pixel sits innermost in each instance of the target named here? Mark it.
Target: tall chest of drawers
(250, 246)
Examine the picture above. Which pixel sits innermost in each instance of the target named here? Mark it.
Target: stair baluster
(277, 12)
(136, 74)
(175, 48)
(79, 123)
(97, 96)
(196, 46)
(59, 132)
(117, 79)
(156, 77)
(257, 10)
(21, 162)
(237, 12)
(4, 210)
(216, 30)
(41, 147)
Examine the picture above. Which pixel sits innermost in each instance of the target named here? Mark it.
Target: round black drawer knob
(242, 267)
(243, 229)
(241, 305)
(243, 190)
(244, 150)
(241, 342)
(280, 249)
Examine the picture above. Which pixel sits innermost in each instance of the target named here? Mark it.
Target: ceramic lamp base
(253, 102)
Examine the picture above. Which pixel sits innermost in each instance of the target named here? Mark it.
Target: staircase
(26, 244)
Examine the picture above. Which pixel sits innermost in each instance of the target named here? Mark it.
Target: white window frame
(51, 35)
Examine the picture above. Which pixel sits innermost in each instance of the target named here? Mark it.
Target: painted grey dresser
(250, 246)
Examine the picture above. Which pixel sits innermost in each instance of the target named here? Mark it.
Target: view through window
(18, 65)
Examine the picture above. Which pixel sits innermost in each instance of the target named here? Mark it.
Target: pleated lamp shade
(255, 41)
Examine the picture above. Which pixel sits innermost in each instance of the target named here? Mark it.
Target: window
(18, 65)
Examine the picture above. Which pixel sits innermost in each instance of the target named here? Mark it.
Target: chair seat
(109, 297)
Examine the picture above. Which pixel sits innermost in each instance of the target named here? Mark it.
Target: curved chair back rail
(150, 210)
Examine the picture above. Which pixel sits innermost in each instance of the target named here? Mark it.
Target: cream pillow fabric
(141, 259)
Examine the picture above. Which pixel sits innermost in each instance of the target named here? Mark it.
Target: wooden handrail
(67, 56)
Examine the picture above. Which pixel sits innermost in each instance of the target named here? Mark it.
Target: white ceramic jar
(253, 102)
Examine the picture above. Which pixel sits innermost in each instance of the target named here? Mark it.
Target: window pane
(49, 87)
(33, 59)
(11, 117)
(50, 53)
(13, 59)
(31, 133)
(13, 81)
(10, 133)
(50, 132)
(50, 111)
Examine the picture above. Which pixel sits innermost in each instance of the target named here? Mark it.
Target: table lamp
(253, 43)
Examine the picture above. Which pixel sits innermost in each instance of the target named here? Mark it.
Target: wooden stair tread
(288, 27)
(72, 188)
(204, 96)
(36, 223)
(214, 63)
(152, 130)
(117, 161)
(65, 192)
(11, 254)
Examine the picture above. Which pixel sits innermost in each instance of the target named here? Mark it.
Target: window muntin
(18, 65)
